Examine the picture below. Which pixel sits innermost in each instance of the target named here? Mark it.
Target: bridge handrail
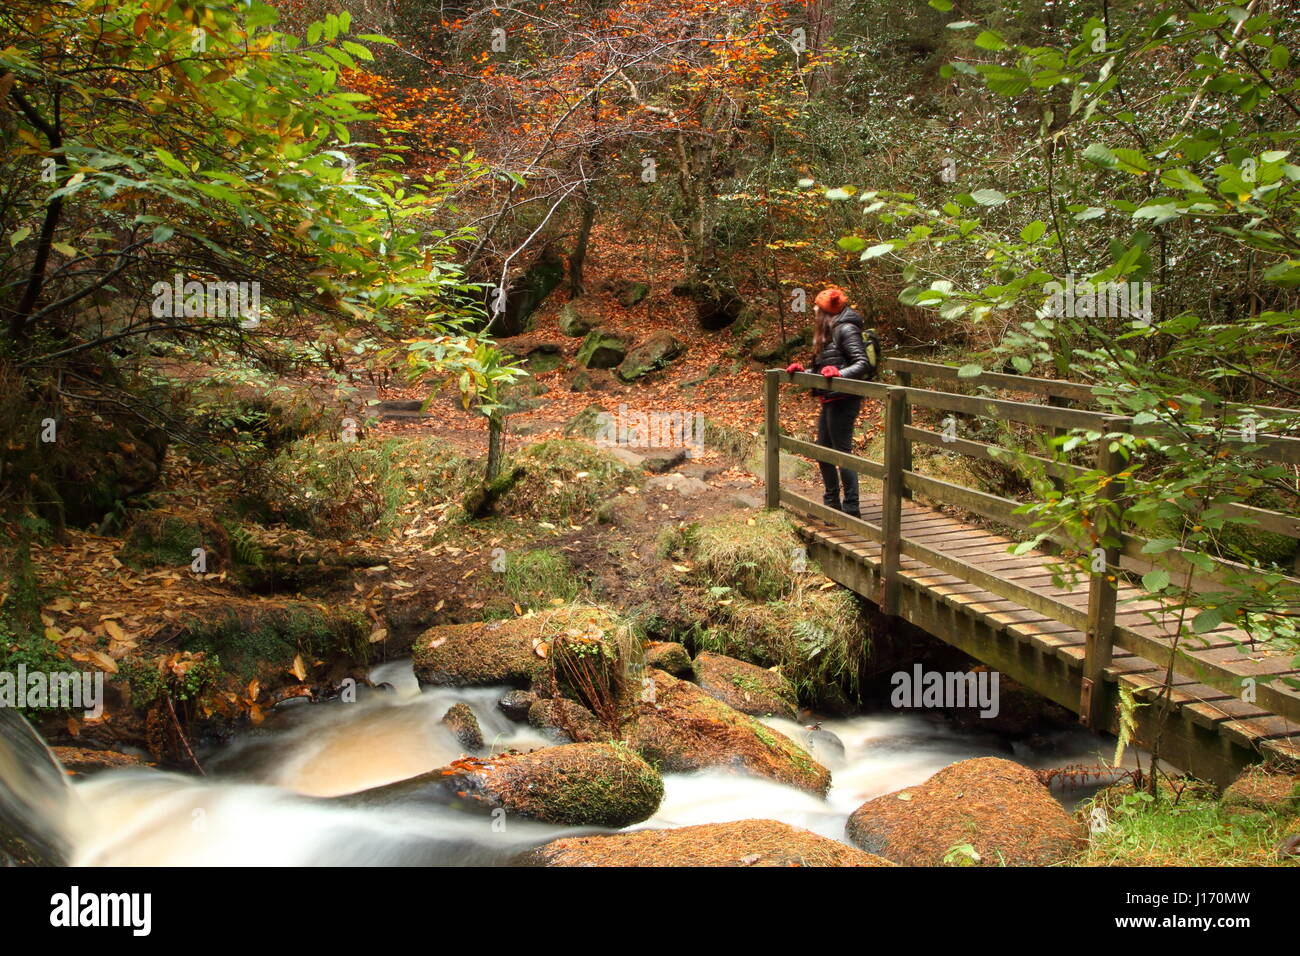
(1101, 630)
(1063, 389)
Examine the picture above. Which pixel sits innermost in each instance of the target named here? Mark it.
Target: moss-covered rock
(651, 355)
(520, 652)
(746, 687)
(585, 784)
(537, 578)
(82, 760)
(739, 843)
(986, 811)
(170, 541)
(262, 640)
(631, 293)
(573, 323)
(603, 348)
(481, 654)
(460, 720)
(679, 727)
(563, 480)
(566, 720)
(1263, 789)
(515, 704)
(671, 657)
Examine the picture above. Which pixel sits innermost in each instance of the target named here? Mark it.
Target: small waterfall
(37, 803)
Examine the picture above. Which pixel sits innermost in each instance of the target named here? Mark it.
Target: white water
(264, 802)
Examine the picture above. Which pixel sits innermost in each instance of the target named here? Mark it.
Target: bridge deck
(1248, 725)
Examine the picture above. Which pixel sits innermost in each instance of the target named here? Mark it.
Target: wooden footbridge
(1042, 618)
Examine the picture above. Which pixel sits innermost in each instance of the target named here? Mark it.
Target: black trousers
(835, 430)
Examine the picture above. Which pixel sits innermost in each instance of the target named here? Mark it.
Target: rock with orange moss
(679, 727)
(588, 784)
(747, 687)
(740, 843)
(997, 809)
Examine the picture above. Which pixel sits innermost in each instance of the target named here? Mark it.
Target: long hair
(822, 322)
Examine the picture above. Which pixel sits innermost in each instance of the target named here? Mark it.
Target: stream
(276, 795)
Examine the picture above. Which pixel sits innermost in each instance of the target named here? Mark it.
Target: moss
(344, 489)
(817, 638)
(565, 480)
(247, 642)
(742, 843)
(22, 634)
(756, 555)
(160, 540)
(537, 578)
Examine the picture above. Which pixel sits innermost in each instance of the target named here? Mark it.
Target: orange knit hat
(831, 301)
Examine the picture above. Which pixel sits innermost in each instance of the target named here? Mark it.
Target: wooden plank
(832, 456)
(999, 408)
(984, 450)
(994, 584)
(837, 518)
(849, 386)
(1207, 671)
(1010, 383)
(980, 502)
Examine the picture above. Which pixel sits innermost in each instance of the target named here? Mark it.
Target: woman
(839, 351)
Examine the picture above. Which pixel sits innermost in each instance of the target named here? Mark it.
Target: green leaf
(1034, 231)
(1156, 580)
(851, 243)
(878, 250)
(970, 370)
(988, 40)
(1159, 545)
(943, 6)
(1100, 156)
(988, 197)
(1207, 620)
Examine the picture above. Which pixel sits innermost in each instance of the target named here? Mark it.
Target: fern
(245, 548)
(1128, 706)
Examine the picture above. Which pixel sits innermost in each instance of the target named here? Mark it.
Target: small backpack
(875, 354)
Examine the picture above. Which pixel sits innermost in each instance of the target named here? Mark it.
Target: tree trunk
(579, 256)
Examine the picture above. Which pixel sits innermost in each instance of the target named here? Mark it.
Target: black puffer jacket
(846, 350)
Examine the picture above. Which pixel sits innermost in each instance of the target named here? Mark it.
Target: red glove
(830, 371)
(794, 367)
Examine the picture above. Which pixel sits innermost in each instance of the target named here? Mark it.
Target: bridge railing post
(1103, 588)
(892, 499)
(905, 380)
(772, 438)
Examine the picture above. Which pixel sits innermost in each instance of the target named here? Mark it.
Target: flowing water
(276, 795)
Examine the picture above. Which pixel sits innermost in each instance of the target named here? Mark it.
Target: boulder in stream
(566, 720)
(739, 843)
(516, 652)
(679, 727)
(515, 704)
(747, 687)
(460, 720)
(588, 784)
(83, 760)
(671, 657)
(999, 811)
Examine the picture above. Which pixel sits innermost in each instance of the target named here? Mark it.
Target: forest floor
(106, 611)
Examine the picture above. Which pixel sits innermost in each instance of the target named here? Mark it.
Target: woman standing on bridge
(839, 351)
